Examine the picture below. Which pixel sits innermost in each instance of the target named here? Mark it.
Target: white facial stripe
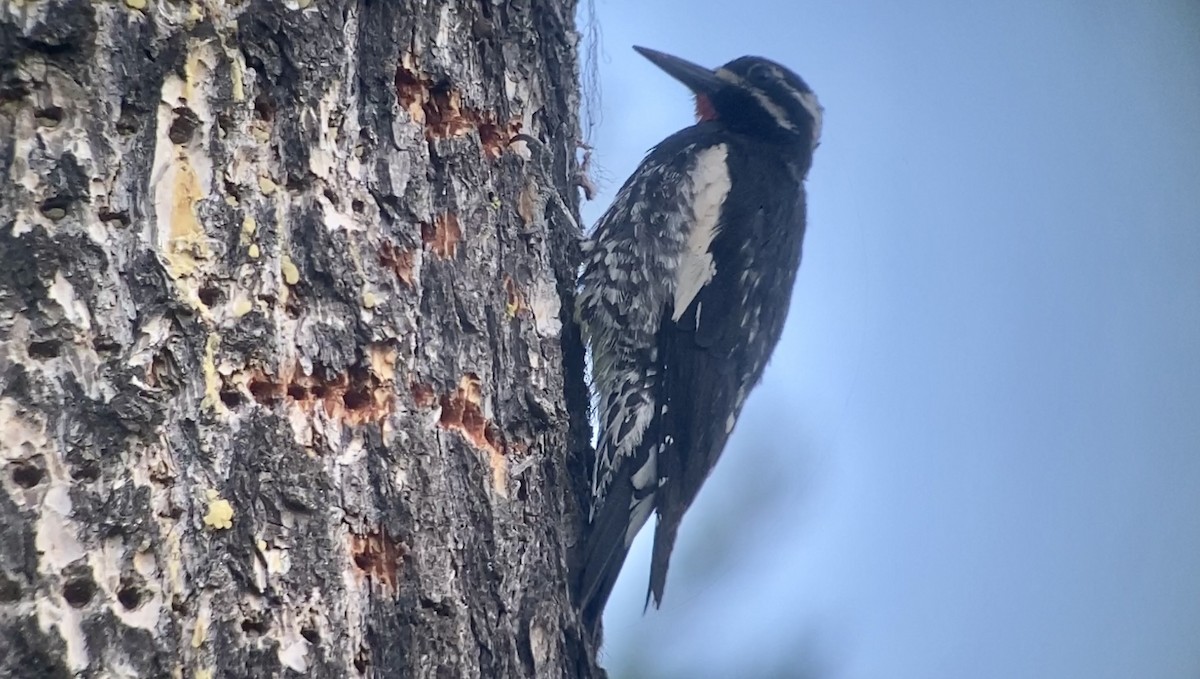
(729, 76)
(710, 185)
(775, 110)
(809, 101)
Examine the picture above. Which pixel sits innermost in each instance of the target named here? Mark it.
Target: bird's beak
(698, 79)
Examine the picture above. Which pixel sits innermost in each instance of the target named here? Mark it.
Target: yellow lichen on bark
(220, 512)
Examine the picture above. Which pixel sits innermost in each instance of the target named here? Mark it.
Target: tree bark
(288, 380)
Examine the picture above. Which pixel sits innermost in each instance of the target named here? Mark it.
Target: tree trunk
(288, 380)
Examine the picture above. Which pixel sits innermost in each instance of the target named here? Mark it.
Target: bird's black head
(750, 95)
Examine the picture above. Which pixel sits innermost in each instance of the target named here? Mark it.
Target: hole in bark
(127, 122)
(443, 235)
(360, 660)
(423, 396)
(357, 205)
(310, 635)
(160, 370)
(332, 197)
(364, 560)
(121, 217)
(298, 183)
(297, 392)
(55, 207)
(105, 344)
(79, 591)
(254, 628)
(87, 470)
(490, 139)
(184, 126)
(50, 116)
(409, 88)
(9, 589)
(439, 608)
(130, 596)
(379, 556)
(356, 399)
(231, 398)
(27, 475)
(263, 109)
(210, 295)
(44, 349)
(264, 392)
(295, 504)
(399, 260)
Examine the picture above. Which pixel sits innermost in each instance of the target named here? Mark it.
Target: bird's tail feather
(664, 542)
(605, 553)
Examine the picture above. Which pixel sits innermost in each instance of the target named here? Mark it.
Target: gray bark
(288, 382)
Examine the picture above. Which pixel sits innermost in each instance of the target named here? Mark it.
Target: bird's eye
(759, 74)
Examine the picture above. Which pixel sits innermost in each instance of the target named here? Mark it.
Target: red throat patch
(704, 108)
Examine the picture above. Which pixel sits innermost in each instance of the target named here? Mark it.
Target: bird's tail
(603, 558)
(660, 561)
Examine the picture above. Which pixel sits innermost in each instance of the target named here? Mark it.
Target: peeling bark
(288, 384)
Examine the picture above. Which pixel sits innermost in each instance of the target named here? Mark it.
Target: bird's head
(750, 95)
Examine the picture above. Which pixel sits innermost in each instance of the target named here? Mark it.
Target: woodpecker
(684, 290)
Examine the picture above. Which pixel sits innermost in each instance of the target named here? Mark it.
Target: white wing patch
(648, 473)
(710, 186)
(640, 508)
(639, 513)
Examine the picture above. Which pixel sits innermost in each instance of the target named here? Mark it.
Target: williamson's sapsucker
(685, 287)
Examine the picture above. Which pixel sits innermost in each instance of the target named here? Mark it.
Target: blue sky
(976, 452)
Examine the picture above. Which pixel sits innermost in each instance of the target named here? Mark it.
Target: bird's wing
(703, 388)
(714, 352)
(629, 282)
